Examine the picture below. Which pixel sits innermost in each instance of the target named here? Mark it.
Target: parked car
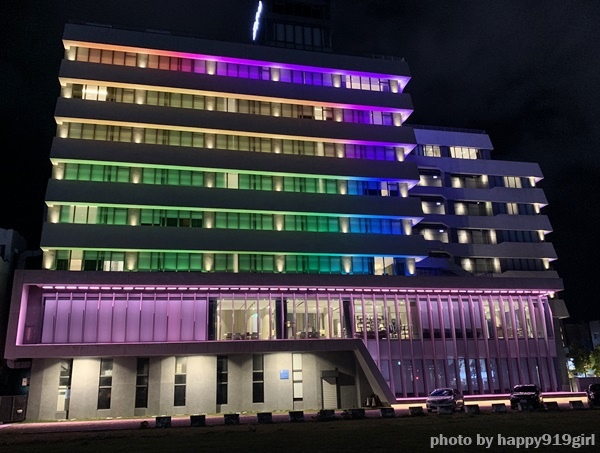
(445, 397)
(593, 395)
(529, 394)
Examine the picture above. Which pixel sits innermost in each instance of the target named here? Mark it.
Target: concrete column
(397, 119)
(210, 103)
(410, 267)
(320, 149)
(275, 74)
(49, 258)
(403, 189)
(62, 130)
(344, 223)
(346, 264)
(208, 262)
(406, 227)
(394, 86)
(140, 96)
(133, 216)
(131, 261)
(278, 183)
(211, 67)
(236, 262)
(210, 140)
(76, 262)
(399, 153)
(142, 60)
(342, 186)
(278, 221)
(135, 175)
(138, 135)
(208, 219)
(70, 53)
(337, 80)
(53, 215)
(66, 91)
(210, 179)
(320, 185)
(279, 263)
(58, 170)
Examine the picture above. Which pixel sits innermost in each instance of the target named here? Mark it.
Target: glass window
(64, 385)
(222, 379)
(105, 383)
(180, 381)
(258, 383)
(141, 384)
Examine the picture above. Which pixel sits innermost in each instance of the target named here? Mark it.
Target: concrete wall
(201, 378)
(43, 391)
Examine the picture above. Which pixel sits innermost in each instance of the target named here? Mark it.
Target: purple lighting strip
(296, 288)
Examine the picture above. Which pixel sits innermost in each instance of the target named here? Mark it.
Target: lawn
(556, 431)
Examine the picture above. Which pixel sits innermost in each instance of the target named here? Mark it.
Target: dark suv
(593, 395)
(526, 394)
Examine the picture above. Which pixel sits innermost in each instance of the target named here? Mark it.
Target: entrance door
(330, 393)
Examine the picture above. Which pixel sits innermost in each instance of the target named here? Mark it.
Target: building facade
(225, 219)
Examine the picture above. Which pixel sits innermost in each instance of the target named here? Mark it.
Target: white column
(133, 216)
(66, 91)
(275, 74)
(344, 224)
(211, 67)
(399, 153)
(406, 227)
(135, 175)
(403, 189)
(208, 219)
(208, 261)
(131, 261)
(58, 170)
(142, 60)
(53, 215)
(48, 259)
(279, 263)
(140, 96)
(346, 264)
(410, 268)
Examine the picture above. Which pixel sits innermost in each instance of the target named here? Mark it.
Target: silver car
(445, 397)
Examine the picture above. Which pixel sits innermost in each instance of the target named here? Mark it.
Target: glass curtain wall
(420, 340)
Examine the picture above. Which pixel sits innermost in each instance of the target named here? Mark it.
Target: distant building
(581, 333)
(12, 248)
(595, 333)
(241, 227)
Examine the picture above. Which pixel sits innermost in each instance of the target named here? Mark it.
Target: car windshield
(525, 388)
(594, 387)
(441, 392)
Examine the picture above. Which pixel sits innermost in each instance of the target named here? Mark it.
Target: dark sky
(526, 72)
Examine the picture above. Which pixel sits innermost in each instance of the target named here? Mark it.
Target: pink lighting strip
(312, 289)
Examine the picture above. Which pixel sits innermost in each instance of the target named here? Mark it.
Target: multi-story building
(226, 219)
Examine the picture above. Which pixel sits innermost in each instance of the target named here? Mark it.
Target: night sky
(526, 72)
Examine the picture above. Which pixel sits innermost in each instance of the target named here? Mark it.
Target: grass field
(556, 431)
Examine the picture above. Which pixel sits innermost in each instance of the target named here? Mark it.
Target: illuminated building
(225, 219)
